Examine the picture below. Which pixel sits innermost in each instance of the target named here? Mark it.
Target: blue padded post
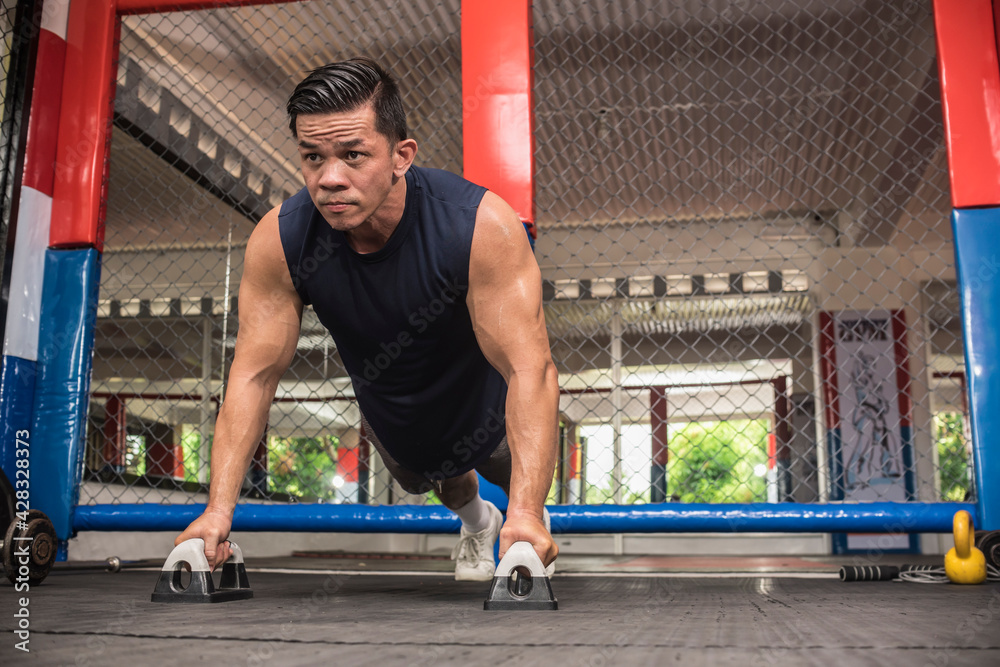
(492, 493)
(62, 387)
(660, 518)
(977, 257)
(17, 394)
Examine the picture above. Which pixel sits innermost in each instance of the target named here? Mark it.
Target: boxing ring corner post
(978, 268)
(969, 72)
(71, 260)
(83, 69)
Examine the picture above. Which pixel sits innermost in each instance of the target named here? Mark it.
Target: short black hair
(349, 85)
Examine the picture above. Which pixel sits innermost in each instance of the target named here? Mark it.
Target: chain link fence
(743, 236)
(18, 25)
(7, 21)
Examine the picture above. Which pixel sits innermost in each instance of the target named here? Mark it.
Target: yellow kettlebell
(964, 564)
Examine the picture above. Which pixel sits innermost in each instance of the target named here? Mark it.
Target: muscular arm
(505, 302)
(270, 311)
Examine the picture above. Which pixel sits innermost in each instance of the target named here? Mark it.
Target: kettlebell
(964, 564)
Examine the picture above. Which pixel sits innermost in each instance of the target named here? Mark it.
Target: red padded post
(970, 98)
(497, 137)
(84, 125)
(156, 6)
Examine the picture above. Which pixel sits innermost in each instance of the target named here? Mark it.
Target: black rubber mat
(382, 619)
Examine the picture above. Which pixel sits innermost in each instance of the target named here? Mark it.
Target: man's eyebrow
(350, 143)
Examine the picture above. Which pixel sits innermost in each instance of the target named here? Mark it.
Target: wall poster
(866, 392)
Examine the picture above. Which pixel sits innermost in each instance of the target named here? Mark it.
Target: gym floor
(378, 610)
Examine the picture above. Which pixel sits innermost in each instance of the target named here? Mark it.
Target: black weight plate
(41, 549)
(988, 541)
(43, 546)
(8, 551)
(7, 506)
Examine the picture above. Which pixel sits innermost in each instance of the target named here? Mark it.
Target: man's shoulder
(447, 187)
(296, 203)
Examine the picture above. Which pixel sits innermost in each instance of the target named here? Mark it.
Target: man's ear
(406, 151)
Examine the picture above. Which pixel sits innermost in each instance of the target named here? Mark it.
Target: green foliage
(637, 497)
(300, 467)
(953, 456)
(600, 494)
(713, 462)
(303, 467)
(553, 496)
(135, 454)
(710, 462)
(190, 447)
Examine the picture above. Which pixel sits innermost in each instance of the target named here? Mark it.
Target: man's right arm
(270, 312)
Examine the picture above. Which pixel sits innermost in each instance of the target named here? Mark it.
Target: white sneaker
(550, 569)
(474, 552)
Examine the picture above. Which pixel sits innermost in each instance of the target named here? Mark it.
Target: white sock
(475, 515)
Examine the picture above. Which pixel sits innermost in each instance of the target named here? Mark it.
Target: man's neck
(374, 233)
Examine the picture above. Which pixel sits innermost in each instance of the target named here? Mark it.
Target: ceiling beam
(916, 145)
(158, 130)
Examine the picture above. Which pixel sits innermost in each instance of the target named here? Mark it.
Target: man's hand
(505, 305)
(528, 528)
(212, 526)
(270, 314)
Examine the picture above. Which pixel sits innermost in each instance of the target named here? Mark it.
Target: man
(428, 286)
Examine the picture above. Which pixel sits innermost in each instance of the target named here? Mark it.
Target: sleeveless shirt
(401, 325)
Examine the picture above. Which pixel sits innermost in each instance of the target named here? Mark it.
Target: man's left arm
(505, 302)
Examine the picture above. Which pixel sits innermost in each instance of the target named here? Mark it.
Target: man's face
(349, 168)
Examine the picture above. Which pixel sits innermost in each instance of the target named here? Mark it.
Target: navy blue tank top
(401, 324)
